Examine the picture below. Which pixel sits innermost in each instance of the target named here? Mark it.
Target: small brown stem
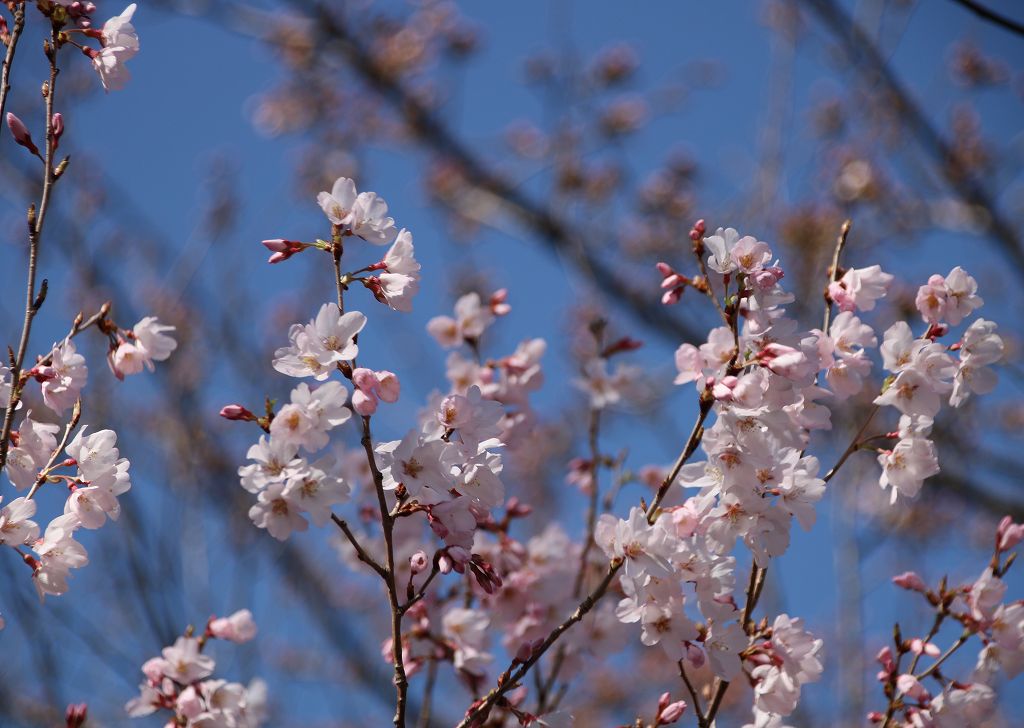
(36, 219)
(12, 46)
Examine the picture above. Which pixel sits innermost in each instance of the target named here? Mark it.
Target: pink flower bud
(524, 652)
(694, 655)
(283, 249)
(363, 403)
(365, 379)
(20, 133)
(700, 226)
(239, 627)
(911, 687)
(1009, 534)
(499, 305)
(671, 713)
(389, 387)
(910, 580)
(920, 647)
(75, 715)
(418, 562)
(236, 412)
(672, 297)
(58, 128)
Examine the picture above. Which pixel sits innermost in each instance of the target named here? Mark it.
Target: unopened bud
(499, 302)
(75, 715)
(910, 580)
(283, 249)
(418, 562)
(57, 124)
(1009, 534)
(20, 133)
(237, 412)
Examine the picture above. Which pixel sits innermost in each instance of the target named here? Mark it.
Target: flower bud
(75, 715)
(1009, 534)
(57, 123)
(910, 580)
(239, 627)
(283, 249)
(499, 305)
(671, 713)
(237, 412)
(418, 562)
(389, 387)
(20, 133)
(364, 404)
(524, 652)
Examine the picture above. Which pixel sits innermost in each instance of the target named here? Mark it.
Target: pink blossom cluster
(764, 387)
(92, 471)
(926, 696)
(180, 682)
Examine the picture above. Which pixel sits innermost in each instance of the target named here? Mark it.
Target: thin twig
(993, 17)
(361, 552)
(12, 46)
(945, 656)
(33, 300)
(428, 696)
(833, 272)
(76, 414)
(852, 447)
(386, 572)
(511, 677)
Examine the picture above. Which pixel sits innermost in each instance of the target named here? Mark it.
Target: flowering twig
(361, 552)
(833, 272)
(36, 218)
(44, 473)
(12, 45)
(511, 677)
(386, 572)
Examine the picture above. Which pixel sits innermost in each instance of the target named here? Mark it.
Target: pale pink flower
(238, 627)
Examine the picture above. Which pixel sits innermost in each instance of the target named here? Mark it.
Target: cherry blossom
(63, 378)
(363, 215)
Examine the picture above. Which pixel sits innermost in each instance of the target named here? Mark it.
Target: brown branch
(12, 46)
(511, 677)
(993, 17)
(432, 131)
(863, 52)
(361, 552)
(36, 218)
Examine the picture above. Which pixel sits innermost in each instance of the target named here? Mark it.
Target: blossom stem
(693, 693)
(852, 447)
(76, 414)
(511, 677)
(945, 656)
(12, 45)
(361, 552)
(754, 587)
(833, 272)
(33, 299)
(386, 572)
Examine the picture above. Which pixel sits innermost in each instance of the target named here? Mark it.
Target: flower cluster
(980, 610)
(288, 485)
(98, 474)
(180, 682)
